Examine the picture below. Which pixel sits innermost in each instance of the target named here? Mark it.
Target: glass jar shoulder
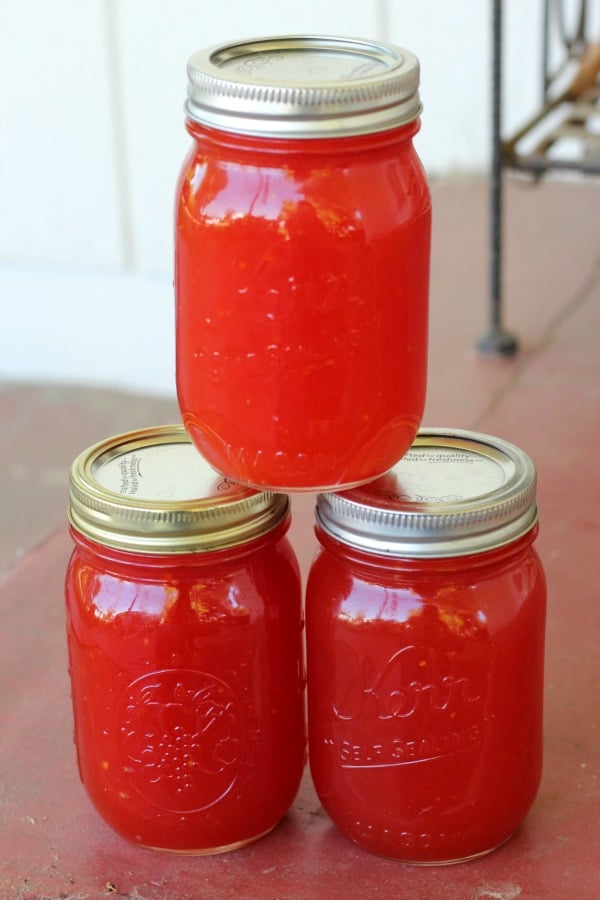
(493, 588)
(103, 586)
(223, 178)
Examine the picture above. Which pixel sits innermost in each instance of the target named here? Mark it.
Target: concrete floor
(546, 399)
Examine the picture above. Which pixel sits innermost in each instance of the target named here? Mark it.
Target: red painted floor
(52, 843)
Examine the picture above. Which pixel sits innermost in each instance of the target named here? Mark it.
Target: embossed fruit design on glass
(184, 632)
(425, 641)
(302, 261)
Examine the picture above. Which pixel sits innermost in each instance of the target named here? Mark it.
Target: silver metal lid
(454, 493)
(303, 86)
(151, 491)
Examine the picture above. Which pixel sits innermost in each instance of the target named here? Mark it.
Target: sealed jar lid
(151, 491)
(454, 493)
(303, 86)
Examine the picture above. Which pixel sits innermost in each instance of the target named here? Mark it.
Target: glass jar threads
(184, 631)
(302, 261)
(425, 639)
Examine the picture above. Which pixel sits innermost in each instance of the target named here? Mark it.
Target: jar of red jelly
(425, 640)
(302, 261)
(185, 645)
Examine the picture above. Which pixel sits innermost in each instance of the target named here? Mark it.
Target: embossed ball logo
(181, 738)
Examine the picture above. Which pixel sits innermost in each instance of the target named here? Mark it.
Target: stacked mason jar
(301, 278)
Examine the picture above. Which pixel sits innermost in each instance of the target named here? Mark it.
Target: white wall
(92, 137)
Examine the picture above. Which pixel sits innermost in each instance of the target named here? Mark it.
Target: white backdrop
(92, 138)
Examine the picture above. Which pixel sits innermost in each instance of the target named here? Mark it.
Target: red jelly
(185, 644)
(425, 639)
(302, 261)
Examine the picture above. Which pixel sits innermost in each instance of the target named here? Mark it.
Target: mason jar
(184, 630)
(302, 246)
(425, 648)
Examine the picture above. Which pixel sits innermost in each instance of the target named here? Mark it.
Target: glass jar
(425, 625)
(302, 261)
(184, 632)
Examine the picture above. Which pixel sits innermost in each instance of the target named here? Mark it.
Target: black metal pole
(496, 341)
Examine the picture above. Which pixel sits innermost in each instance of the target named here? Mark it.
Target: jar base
(309, 489)
(210, 851)
(446, 862)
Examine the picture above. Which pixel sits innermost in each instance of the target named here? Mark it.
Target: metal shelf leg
(496, 341)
